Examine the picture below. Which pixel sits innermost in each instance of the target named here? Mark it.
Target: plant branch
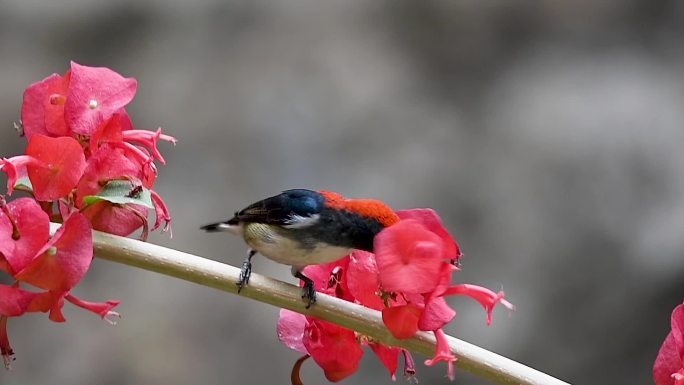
(366, 321)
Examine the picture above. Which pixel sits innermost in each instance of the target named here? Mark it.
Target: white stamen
(92, 104)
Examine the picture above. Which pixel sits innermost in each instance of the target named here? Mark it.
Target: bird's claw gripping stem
(245, 271)
(308, 291)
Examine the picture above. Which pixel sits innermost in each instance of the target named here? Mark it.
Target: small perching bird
(304, 227)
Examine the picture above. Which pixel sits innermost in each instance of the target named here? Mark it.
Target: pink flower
(402, 321)
(62, 261)
(24, 229)
(94, 95)
(443, 353)
(484, 296)
(409, 257)
(432, 221)
(149, 140)
(668, 368)
(53, 166)
(334, 349)
(42, 111)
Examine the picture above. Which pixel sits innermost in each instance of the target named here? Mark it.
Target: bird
(302, 227)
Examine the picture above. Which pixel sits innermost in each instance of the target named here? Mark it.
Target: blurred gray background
(547, 134)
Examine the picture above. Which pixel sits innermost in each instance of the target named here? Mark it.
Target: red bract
(290, 329)
(24, 229)
(668, 368)
(387, 355)
(409, 257)
(14, 301)
(42, 111)
(432, 221)
(334, 349)
(63, 163)
(402, 321)
(63, 261)
(94, 95)
(110, 130)
(116, 219)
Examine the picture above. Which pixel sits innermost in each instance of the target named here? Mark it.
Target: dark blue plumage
(279, 209)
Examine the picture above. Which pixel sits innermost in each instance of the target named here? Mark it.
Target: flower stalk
(366, 321)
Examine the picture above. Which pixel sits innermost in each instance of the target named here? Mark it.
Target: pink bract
(63, 261)
(334, 349)
(668, 368)
(42, 111)
(95, 94)
(24, 229)
(64, 164)
(409, 257)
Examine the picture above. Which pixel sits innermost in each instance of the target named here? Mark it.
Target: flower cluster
(84, 166)
(668, 368)
(406, 279)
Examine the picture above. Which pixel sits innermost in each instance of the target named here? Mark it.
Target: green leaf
(121, 192)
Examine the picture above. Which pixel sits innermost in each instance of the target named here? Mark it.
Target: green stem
(366, 321)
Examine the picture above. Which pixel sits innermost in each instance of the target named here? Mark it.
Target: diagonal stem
(366, 321)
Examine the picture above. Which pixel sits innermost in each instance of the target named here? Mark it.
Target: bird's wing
(286, 209)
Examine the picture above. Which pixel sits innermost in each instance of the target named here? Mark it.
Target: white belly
(269, 243)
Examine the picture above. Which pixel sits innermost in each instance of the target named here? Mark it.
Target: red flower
(409, 257)
(62, 262)
(149, 140)
(24, 229)
(334, 349)
(14, 301)
(484, 296)
(53, 165)
(443, 353)
(42, 111)
(668, 368)
(363, 281)
(402, 321)
(432, 221)
(94, 95)
(290, 329)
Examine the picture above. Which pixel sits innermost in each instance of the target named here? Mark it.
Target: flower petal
(65, 163)
(95, 93)
(102, 309)
(402, 321)
(669, 360)
(63, 261)
(24, 229)
(432, 221)
(409, 257)
(388, 356)
(290, 329)
(14, 301)
(334, 349)
(484, 296)
(42, 111)
(436, 314)
(443, 353)
(363, 280)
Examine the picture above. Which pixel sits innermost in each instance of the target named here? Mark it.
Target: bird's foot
(308, 291)
(245, 271)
